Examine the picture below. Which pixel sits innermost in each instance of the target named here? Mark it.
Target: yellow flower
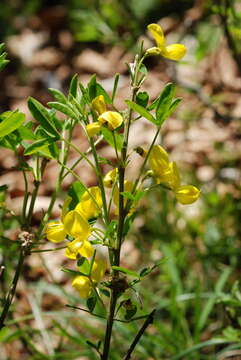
(110, 178)
(112, 118)
(87, 207)
(172, 52)
(187, 194)
(93, 128)
(79, 247)
(55, 231)
(76, 225)
(170, 177)
(98, 104)
(83, 285)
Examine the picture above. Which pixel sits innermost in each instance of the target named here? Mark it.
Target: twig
(148, 322)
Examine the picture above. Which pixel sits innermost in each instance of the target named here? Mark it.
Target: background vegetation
(196, 290)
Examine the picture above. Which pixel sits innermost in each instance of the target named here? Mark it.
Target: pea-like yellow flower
(79, 247)
(112, 118)
(172, 52)
(88, 207)
(110, 178)
(84, 285)
(76, 225)
(55, 231)
(98, 104)
(187, 194)
(93, 128)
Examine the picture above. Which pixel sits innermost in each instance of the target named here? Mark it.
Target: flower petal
(93, 128)
(187, 194)
(76, 225)
(112, 118)
(82, 285)
(55, 231)
(157, 33)
(174, 51)
(110, 178)
(98, 104)
(87, 207)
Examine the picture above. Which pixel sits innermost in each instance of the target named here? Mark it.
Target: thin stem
(11, 293)
(148, 321)
(81, 153)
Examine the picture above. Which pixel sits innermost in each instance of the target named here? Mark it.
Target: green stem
(11, 293)
(122, 216)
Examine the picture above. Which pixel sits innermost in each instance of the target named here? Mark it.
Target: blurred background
(196, 289)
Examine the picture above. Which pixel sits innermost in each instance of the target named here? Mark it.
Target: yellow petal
(98, 270)
(55, 231)
(159, 160)
(110, 178)
(157, 33)
(187, 194)
(82, 285)
(76, 225)
(79, 247)
(93, 128)
(87, 207)
(174, 51)
(98, 104)
(112, 118)
(171, 177)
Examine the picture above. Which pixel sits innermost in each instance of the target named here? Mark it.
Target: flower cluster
(166, 172)
(112, 119)
(75, 225)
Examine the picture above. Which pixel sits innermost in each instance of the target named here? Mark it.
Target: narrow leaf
(141, 110)
(65, 109)
(41, 114)
(10, 123)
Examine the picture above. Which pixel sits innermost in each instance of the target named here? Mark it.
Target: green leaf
(91, 302)
(11, 122)
(126, 271)
(42, 116)
(72, 272)
(65, 109)
(58, 95)
(36, 146)
(164, 103)
(76, 191)
(141, 110)
(95, 89)
(73, 88)
(142, 98)
(128, 195)
(26, 131)
(108, 136)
